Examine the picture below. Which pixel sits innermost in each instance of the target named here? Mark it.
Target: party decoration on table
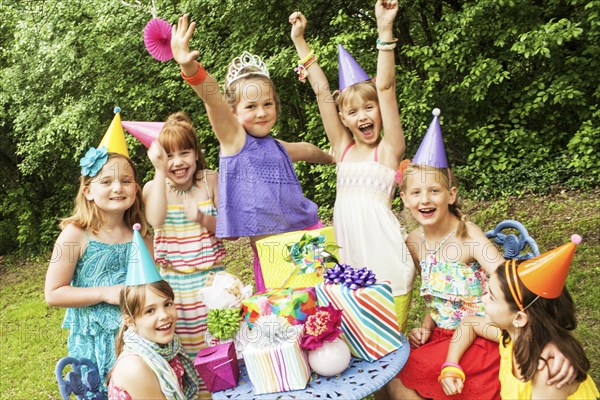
(295, 305)
(218, 366)
(297, 259)
(223, 323)
(274, 359)
(324, 326)
(306, 254)
(350, 277)
(224, 290)
(328, 355)
(223, 295)
(114, 138)
(144, 131)
(369, 322)
(330, 359)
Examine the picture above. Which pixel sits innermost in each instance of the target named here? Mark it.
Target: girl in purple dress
(259, 192)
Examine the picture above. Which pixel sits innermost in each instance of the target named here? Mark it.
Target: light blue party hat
(141, 268)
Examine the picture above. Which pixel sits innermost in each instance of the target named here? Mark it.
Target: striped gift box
(279, 368)
(369, 322)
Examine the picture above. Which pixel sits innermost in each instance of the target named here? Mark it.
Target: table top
(359, 380)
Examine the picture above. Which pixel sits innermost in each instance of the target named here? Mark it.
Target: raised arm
(229, 132)
(304, 151)
(155, 191)
(393, 144)
(337, 134)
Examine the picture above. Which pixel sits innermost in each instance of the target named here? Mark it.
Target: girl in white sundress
(368, 233)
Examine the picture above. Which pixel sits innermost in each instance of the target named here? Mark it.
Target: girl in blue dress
(90, 257)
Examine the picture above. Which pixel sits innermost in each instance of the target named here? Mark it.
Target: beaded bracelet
(381, 45)
(198, 78)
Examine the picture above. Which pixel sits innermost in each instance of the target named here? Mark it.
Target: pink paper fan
(157, 38)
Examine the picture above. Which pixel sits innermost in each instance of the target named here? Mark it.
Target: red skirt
(481, 364)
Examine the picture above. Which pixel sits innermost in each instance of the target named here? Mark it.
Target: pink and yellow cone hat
(544, 275)
(144, 131)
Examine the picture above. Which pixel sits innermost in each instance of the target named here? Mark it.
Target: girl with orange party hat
(89, 261)
(527, 307)
(259, 192)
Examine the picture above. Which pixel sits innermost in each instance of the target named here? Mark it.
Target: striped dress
(188, 256)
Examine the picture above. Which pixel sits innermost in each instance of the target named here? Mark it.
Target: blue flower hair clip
(93, 161)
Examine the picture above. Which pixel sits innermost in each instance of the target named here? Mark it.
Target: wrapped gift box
(295, 259)
(369, 322)
(293, 304)
(218, 366)
(277, 365)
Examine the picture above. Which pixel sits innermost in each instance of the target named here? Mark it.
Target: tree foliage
(516, 81)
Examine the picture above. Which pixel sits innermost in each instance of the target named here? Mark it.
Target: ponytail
(456, 210)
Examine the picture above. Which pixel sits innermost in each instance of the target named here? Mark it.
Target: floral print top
(451, 290)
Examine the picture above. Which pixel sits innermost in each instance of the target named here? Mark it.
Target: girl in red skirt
(455, 259)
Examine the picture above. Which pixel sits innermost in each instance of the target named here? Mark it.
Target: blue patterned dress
(93, 328)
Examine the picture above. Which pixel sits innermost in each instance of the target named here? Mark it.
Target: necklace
(439, 246)
(179, 192)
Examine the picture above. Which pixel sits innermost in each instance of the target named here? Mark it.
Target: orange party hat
(546, 274)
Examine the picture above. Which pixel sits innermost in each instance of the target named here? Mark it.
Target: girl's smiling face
(158, 317)
(427, 196)
(182, 167)
(256, 109)
(114, 188)
(363, 118)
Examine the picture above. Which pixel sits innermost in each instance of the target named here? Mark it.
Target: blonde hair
(86, 214)
(132, 300)
(179, 133)
(446, 178)
(365, 90)
(233, 89)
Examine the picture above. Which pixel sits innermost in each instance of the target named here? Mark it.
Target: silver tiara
(246, 60)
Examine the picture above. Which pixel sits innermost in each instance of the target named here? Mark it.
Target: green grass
(32, 340)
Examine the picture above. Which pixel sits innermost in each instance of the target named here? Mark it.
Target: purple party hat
(350, 72)
(431, 152)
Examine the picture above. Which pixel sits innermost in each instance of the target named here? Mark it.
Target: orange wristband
(198, 78)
